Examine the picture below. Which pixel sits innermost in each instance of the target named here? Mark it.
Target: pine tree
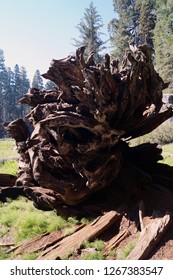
(10, 101)
(89, 32)
(3, 92)
(49, 85)
(122, 30)
(147, 21)
(13, 86)
(25, 85)
(163, 41)
(17, 91)
(135, 24)
(37, 81)
(21, 86)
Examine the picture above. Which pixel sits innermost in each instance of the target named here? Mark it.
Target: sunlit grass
(97, 244)
(9, 167)
(8, 149)
(162, 135)
(27, 222)
(124, 252)
(94, 256)
(167, 154)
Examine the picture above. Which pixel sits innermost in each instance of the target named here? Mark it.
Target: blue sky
(33, 32)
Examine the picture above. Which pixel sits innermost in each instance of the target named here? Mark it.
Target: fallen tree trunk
(89, 232)
(149, 237)
(42, 242)
(75, 147)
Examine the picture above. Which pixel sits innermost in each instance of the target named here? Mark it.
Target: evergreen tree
(135, 24)
(89, 30)
(21, 86)
(10, 100)
(17, 91)
(123, 29)
(25, 85)
(37, 81)
(163, 41)
(13, 86)
(49, 85)
(3, 92)
(147, 21)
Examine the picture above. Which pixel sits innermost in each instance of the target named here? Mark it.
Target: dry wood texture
(73, 242)
(73, 146)
(150, 236)
(41, 242)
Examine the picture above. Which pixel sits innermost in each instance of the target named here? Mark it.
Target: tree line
(14, 84)
(136, 22)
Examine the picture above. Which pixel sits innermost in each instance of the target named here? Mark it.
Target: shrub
(161, 135)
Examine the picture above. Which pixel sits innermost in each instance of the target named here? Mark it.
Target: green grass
(8, 149)
(168, 148)
(9, 167)
(123, 253)
(162, 135)
(167, 154)
(94, 256)
(27, 222)
(3, 254)
(97, 244)
(30, 256)
(168, 160)
(8, 153)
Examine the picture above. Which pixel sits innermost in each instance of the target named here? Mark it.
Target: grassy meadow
(8, 149)
(20, 220)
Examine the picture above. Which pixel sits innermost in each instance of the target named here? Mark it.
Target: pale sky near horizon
(33, 32)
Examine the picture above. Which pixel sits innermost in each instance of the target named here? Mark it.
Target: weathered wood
(6, 244)
(149, 237)
(41, 242)
(89, 232)
(141, 214)
(117, 239)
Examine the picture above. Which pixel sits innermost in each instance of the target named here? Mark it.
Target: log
(89, 232)
(141, 214)
(6, 244)
(117, 239)
(149, 237)
(41, 242)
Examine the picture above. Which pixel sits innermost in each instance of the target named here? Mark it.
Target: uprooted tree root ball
(73, 144)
